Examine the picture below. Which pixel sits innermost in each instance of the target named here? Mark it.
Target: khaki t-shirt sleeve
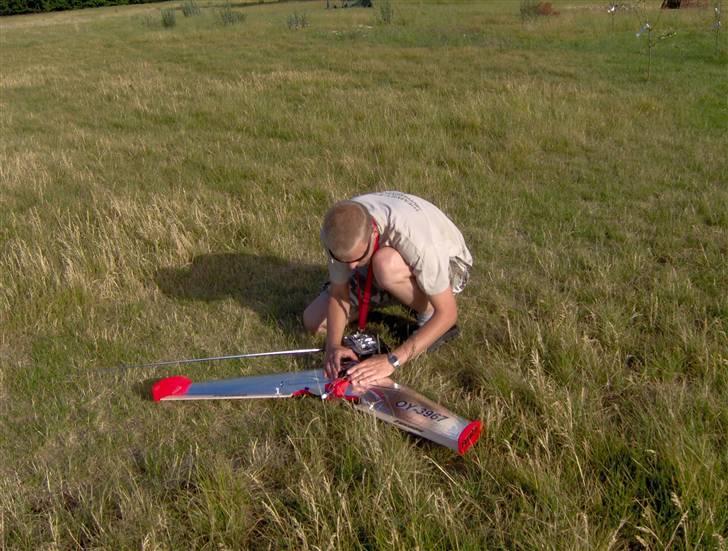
(430, 268)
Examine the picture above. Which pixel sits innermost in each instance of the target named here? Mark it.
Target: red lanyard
(364, 300)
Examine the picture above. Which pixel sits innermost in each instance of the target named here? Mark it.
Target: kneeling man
(388, 243)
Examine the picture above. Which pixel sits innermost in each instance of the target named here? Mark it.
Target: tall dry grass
(160, 197)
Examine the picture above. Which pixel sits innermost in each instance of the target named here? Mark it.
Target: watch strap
(394, 360)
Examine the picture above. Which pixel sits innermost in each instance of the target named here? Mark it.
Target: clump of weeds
(230, 17)
(169, 17)
(190, 8)
(297, 21)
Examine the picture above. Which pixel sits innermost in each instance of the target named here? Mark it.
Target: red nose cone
(469, 436)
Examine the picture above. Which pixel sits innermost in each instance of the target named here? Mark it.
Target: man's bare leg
(395, 276)
(314, 316)
(392, 274)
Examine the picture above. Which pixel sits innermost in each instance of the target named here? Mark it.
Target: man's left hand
(370, 370)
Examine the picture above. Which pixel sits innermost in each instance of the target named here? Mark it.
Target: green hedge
(12, 7)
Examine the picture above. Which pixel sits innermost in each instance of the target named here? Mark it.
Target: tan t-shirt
(425, 237)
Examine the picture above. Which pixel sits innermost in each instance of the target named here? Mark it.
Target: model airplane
(387, 400)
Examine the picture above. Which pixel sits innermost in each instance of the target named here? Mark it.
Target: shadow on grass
(395, 327)
(275, 288)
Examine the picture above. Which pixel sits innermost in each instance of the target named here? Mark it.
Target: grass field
(161, 191)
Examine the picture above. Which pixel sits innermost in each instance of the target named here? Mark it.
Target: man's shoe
(447, 336)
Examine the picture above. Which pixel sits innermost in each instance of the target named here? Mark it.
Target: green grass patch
(161, 191)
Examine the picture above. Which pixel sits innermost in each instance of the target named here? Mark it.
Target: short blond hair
(346, 224)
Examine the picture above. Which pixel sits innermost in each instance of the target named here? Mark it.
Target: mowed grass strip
(161, 191)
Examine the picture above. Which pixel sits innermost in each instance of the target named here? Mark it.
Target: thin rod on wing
(218, 358)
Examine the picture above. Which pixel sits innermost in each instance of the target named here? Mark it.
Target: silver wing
(279, 385)
(387, 400)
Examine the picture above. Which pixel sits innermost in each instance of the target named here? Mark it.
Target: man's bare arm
(378, 367)
(337, 317)
(444, 317)
(337, 313)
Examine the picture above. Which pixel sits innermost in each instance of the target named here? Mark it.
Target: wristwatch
(394, 360)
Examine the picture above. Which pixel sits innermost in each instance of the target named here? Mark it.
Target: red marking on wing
(337, 387)
(171, 386)
(469, 436)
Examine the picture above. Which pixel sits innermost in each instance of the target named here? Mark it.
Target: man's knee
(389, 267)
(314, 318)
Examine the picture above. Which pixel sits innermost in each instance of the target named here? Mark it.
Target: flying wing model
(387, 400)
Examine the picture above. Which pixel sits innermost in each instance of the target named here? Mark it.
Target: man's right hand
(333, 358)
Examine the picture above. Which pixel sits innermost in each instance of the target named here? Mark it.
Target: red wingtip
(469, 436)
(171, 386)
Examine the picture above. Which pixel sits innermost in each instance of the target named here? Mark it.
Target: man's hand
(370, 370)
(332, 361)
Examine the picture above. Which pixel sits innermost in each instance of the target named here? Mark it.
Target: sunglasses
(362, 257)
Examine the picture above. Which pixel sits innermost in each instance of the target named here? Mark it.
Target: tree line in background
(12, 7)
